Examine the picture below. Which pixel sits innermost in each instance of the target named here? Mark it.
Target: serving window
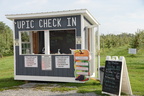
(47, 42)
(61, 41)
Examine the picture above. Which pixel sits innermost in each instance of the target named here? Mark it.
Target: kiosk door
(88, 39)
(38, 42)
(90, 45)
(35, 42)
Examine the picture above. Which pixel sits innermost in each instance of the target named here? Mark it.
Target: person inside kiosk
(60, 42)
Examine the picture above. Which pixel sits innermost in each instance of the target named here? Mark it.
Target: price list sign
(81, 65)
(112, 77)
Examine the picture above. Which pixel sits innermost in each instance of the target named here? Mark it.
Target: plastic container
(102, 68)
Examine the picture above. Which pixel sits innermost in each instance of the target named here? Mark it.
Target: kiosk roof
(83, 12)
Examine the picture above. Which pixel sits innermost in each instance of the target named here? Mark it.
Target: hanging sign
(31, 61)
(116, 77)
(81, 59)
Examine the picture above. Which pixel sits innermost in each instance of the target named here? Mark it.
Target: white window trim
(31, 41)
(20, 47)
(47, 42)
(20, 43)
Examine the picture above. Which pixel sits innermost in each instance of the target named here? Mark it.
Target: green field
(135, 65)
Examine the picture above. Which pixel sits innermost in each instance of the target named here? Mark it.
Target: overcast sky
(115, 16)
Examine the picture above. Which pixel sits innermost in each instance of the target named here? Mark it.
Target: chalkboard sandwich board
(112, 76)
(116, 77)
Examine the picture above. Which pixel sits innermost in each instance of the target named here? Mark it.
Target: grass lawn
(135, 64)
(6, 74)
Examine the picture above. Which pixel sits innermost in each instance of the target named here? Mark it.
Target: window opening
(32, 42)
(61, 41)
(25, 43)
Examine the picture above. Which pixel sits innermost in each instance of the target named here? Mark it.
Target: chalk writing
(111, 81)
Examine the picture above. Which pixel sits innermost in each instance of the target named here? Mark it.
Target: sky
(114, 16)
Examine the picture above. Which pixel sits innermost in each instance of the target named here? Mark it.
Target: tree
(6, 41)
(112, 40)
(138, 40)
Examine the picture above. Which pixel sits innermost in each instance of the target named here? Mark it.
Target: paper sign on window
(31, 61)
(46, 63)
(62, 61)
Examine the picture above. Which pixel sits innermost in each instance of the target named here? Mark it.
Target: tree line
(132, 40)
(6, 39)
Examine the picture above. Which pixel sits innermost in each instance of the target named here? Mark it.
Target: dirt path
(40, 89)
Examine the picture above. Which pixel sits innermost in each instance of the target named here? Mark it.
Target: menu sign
(112, 77)
(81, 65)
(116, 79)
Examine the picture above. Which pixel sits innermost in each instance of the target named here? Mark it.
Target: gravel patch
(30, 89)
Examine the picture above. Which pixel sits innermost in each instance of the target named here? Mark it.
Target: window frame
(46, 41)
(20, 43)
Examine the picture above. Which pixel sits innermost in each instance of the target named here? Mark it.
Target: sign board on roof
(47, 23)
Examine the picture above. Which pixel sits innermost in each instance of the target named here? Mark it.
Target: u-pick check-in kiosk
(45, 46)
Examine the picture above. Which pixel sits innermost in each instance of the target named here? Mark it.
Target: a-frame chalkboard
(112, 77)
(116, 77)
